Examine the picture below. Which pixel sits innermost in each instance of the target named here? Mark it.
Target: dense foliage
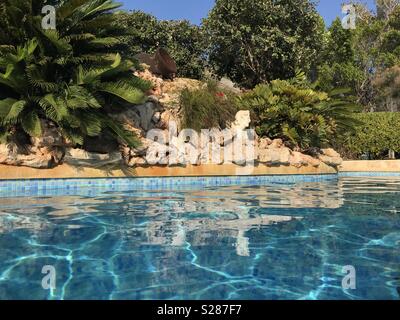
(184, 41)
(360, 59)
(302, 116)
(374, 137)
(70, 76)
(339, 67)
(253, 41)
(80, 73)
(208, 107)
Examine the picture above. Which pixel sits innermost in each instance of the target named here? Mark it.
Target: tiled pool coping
(369, 174)
(43, 187)
(92, 186)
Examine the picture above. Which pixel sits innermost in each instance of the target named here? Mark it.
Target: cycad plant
(294, 111)
(74, 75)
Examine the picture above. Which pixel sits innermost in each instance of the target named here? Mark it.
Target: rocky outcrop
(160, 63)
(330, 157)
(273, 152)
(159, 146)
(34, 157)
(45, 151)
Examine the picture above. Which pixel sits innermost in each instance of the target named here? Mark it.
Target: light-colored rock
(168, 116)
(264, 143)
(297, 160)
(130, 120)
(80, 157)
(172, 89)
(311, 161)
(156, 117)
(157, 82)
(330, 153)
(276, 143)
(330, 157)
(146, 113)
(274, 156)
(40, 158)
(331, 161)
(136, 161)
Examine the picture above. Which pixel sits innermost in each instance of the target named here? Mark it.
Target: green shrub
(71, 76)
(378, 133)
(254, 41)
(183, 40)
(207, 107)
(303, 117)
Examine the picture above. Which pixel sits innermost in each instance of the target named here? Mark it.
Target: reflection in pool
(275, 241)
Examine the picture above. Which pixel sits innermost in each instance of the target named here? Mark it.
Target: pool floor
(267, 241)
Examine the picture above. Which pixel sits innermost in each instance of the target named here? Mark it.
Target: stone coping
(370, 166)
(69, 172)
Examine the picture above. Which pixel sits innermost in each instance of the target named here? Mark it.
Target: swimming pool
(265, 240)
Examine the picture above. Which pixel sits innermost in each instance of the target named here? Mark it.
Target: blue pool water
(265, 241)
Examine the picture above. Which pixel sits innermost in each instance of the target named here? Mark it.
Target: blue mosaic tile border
(369, 174)
(91, 187)
(51, 187)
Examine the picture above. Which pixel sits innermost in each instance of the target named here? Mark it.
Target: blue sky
(195, 10)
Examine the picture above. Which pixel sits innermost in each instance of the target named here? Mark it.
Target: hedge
(378, 133)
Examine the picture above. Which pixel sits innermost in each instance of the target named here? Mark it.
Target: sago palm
(294, 111)
(73, 75)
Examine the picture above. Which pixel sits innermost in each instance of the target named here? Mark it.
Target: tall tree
(340, 67)
(253, 41)
(183, 40)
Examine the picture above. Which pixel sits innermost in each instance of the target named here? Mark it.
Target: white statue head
(242, 120)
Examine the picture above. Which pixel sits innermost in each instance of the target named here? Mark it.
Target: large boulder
(160, 63)
(298, 159)
(273, 152)
(330, 157)
(36, 157)
(275, 156)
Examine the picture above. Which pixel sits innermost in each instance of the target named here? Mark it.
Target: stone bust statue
(242, 120)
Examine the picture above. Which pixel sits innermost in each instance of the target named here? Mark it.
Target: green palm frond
(14, 112)
(31, 124)
(55, 108)
(123, 91)
(68, 75)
